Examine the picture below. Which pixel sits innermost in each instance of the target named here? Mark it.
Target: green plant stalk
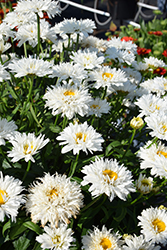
(77, 43)
(91, 203)
(30, 89)
(1, 59)
(131, 140)
(138, 198)
(38, 34)
(104, 93)
(25, 50)
(27, 170)
(73, 165)
(65, 120)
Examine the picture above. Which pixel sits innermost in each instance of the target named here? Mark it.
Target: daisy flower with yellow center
(54, 199)
(25, 146)
(101, 240)
(97, 107)
(153, 222)
(157, 122)
(78, 137)
(56, 238)
(108, 177)
(67, 100)
(7, 130)
(144, 185)
(10, 197)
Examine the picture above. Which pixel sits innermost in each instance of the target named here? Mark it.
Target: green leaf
(55, 129)
(34, 116)
(33, 227)
(37, 246)
(5, 164)
(111, 146)
(16, 231)
(122, 214)
(22, 243)
(6, 226)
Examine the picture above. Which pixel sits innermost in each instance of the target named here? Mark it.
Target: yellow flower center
(56, 240)
(26, 149)
(105, 243)
(162, 153)
(157, 107)
(52, 192)
(69, 92)
(79, 136)
(111, 174)
(159, 225)
(107, 75)
(2, 192)
(95, 106)
(164, 128)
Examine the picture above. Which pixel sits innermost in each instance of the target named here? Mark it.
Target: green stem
(104, 93)
(138, 198)
(57, 117)
(76, 46)
(1, 59)
(131, 140)
(91, 203)
(30, 89)
(27, 170)
(65, 120)
(153, 141)
(25, 50)
(74, 165)
(38, 34)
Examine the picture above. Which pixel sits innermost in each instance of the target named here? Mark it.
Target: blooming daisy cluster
(83, 131)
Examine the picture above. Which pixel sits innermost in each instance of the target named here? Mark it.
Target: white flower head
(4, 46)
(156, 85)
(98, 107)
(122, 44)
(138, 243)
(144, 184)
(106, 77)
(10, 197)
(153, 222)
(6, 31)
(30, 66)
(38, 7)
(54, 199)
(7, 130)
(94, 42)
(150, 103)
(68, 100)
(154, 62)
(104, 239)
(78, 137)
(87, 59)
(25, 146)
(133, 76)
(108, 177)
(4, 75)
(157, 121)
(56, 238)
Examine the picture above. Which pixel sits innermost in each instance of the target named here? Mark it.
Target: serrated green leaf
(33, 227)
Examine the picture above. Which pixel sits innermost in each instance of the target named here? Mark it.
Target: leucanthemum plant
(83, 129)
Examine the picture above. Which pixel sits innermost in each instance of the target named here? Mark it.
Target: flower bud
(136, 122)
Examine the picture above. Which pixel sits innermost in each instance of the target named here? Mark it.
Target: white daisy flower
(7, 130)
(148, 154)
(106, 77)
(100, 240)
(149, 104)
(153, 222)
(67, 99)
(133, 76)
(108, 177)
(74, 26)
(10, 197)
(140, 66)
(98, 107)
(127, 89)
(154, 62)
(38, 6)
(54, 199)
(117, 43)
(16, 19)
(4, 46)
(125, 56)
(159, 166)
(30, 66)
(80, 137)
(6, 31)
(56, 238)
(157, 121)
(25, 146)
(87, 59)
(139, 243)
(68, 70)
(28, 33)
(4, 75)
(94, 42)
(144, 185)
(157, 85)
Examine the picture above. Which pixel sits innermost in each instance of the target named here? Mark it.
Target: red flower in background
(136, 29)
(156, 33)
(151, 32)
(127, 38)
(143, 51)
(165, 53)
(159, 71)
